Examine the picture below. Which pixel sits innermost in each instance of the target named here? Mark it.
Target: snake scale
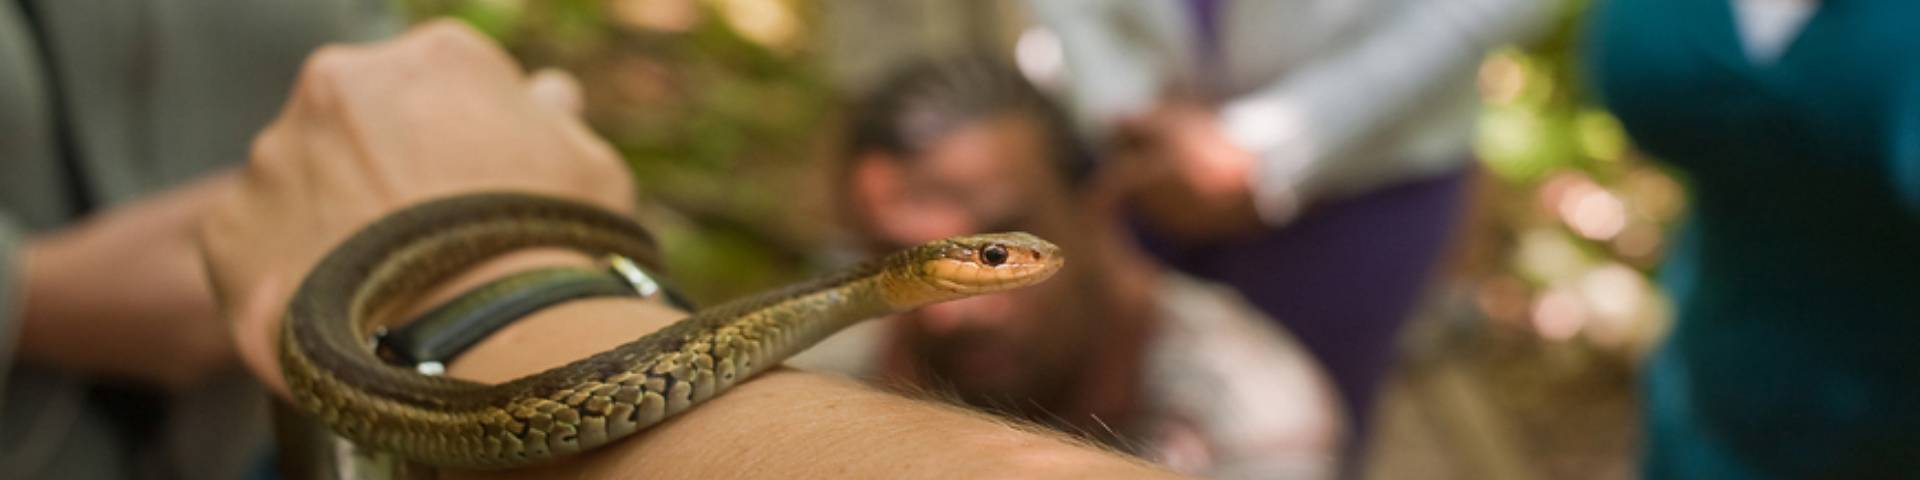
(334, 375)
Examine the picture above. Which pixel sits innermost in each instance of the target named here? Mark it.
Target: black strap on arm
(448, 330)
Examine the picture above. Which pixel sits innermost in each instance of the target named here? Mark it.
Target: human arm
(1333, 106)
(121, 293)
(373, 129)
(786, 423)
(1316, 133)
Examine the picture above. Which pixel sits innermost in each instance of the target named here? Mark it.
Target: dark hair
(924, 101)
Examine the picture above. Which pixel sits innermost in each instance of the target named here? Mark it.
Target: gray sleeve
(12, 292)
(1301, 124)
(372, 20)
(1112, 71)
(25, 143)
(159, 93)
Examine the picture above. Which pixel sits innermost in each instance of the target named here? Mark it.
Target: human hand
(123, 293)
(1193, 180)
(371, 129)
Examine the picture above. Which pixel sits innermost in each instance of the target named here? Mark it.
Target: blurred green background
(717, 106)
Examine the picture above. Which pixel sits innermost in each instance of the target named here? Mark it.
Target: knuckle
(263, 147)
(325, 72)
(269, 157)
(326, 63)
(449, 37)
(450, 43)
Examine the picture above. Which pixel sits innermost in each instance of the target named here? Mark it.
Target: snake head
(971, 265)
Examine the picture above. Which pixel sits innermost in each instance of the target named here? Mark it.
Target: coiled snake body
(334, 375)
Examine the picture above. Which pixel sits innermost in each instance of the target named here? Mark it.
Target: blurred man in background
(1312, 154)
(1113, 348)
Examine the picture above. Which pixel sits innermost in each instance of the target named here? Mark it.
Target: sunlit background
(1521, 365)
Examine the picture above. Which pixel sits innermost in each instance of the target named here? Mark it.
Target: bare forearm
(787, 423)
(793, 424)
(125, 294)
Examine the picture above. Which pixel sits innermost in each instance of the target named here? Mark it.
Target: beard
(996, 373)
(1028, 365)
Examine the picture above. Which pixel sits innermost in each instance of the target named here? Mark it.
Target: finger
(556, 89)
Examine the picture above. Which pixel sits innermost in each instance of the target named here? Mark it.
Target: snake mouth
(969, 280)
(993, 262)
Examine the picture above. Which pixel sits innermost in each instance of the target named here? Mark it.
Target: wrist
(547, 337)
(560, 334)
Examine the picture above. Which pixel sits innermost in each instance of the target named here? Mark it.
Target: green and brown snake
(334, 375)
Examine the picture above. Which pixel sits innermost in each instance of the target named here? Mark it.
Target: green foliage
(1574, 206)
(714, 124)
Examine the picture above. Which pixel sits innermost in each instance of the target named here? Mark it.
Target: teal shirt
(1797, 276)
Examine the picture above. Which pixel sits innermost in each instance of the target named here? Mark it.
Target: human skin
(121, 294)
(441, 111)
(1188, 178)
(785, 423)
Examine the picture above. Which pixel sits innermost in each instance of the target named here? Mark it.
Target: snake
(334, 376)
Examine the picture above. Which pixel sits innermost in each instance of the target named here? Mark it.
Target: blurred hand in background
(1193, 181)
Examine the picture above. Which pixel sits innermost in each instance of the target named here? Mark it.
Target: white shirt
(1768, 26)
(1337, 97)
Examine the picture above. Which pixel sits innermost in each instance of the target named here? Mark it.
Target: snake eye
(994, 255)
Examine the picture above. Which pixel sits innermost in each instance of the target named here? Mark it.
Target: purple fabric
(1206, 24)
(1342, 278)
(1206, 28)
